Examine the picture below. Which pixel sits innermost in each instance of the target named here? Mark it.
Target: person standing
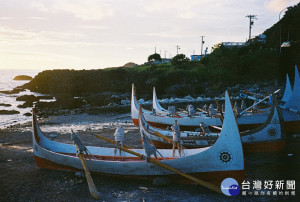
(211, 110)
(119, 139)
(191, 110)
(176, 138)
(148, 146)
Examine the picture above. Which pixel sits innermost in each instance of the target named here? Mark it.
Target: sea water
(7, 83)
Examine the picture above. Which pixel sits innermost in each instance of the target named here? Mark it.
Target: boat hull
(224, 157)
(248, 147)
(264, 146)
(267, 137)
(215, 177)
(242, 127)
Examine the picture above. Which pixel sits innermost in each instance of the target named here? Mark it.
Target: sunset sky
(92, 34)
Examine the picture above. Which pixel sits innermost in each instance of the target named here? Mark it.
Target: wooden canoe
(162, 120)
(213, 164)
(270, 136)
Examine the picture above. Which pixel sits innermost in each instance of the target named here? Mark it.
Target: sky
(93, 34)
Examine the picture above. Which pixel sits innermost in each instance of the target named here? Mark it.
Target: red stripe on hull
(135, 122)
(165, 145)
(248, 147)
(215, 177)
(162, 145)
(44, 163)
(264, 146)
(192, 128)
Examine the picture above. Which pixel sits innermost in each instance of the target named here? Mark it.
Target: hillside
(289, 27)
(225, 67)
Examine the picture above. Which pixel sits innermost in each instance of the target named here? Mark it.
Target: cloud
(37, 18)
(32, 38)
(94, 27)
(6, 18)
(278, 5)
(19, 37)
(178, 8)
(84, 10)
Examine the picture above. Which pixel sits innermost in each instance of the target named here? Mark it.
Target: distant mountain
(130, 64)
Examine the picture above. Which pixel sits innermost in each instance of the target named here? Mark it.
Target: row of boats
(261, 131)
(208, 157)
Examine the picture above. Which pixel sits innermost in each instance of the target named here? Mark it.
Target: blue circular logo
(230, 187)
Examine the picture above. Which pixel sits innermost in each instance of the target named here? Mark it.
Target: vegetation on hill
(223, 68)
(289, 30)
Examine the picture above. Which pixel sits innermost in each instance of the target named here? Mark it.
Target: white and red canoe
(270, 136)
(290, 104)
(222, 160)
(163, 120)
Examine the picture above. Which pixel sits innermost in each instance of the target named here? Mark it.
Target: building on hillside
(163, 61)
(229, 45)
(233, 44)
(262, 38)
(196, 57)
(166, 60)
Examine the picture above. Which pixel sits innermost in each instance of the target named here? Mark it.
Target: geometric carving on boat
(272, 132)
(225, 157)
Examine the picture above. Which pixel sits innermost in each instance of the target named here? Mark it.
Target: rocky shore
(105, 102)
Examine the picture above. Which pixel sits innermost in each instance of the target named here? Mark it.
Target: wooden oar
(111, 141)
(201, 110)
(196, 180)
(89, 179)
(163, 137)
(183, 110)
(254, 105)
(216, 127)
(166, 138)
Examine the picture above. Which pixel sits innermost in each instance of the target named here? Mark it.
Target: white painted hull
(163, 120)
(272, 131)
(51, 154)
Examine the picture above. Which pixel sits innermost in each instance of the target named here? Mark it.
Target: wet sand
(22, 180)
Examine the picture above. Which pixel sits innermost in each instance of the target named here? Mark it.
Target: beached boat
(157, 108)
(164, 120)
(290, 104)
(270, 136)
(213, 164)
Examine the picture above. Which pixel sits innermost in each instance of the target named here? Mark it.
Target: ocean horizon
(7, 83)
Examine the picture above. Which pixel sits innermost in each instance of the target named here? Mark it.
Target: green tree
(180, 59)
(154, 57)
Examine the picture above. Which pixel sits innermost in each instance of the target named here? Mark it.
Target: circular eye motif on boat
(225, 157)
(272, 132)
